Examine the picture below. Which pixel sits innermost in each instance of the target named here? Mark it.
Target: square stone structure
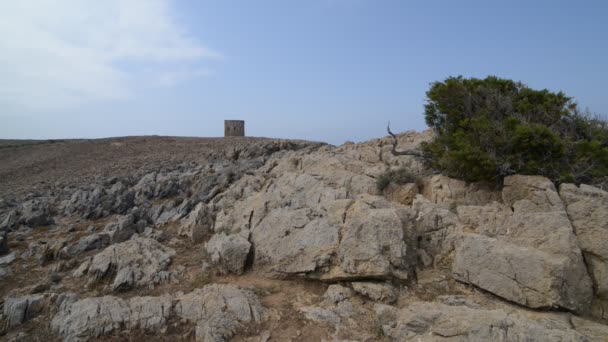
(234, 128)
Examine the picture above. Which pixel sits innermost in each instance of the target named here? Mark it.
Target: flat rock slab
(136, 262)
(218, 311)
(432, 321)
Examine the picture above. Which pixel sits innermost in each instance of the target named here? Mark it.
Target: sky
(324, 70)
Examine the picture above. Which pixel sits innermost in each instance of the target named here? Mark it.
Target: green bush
(490, 128)
(398, 176)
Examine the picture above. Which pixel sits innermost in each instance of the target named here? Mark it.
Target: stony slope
(267, 240)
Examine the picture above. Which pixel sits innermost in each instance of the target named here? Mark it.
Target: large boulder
(524, 250)
(18, 310)
(524, 275)
(587, 208)
(229, 252)
(136, 262)
(198, 223)
(36, 213)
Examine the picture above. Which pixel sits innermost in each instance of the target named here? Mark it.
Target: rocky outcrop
(90, 242)
(136, 262)
(432, 321)
(123, 228)
(100, 200)
(442, 189)
(401, 193)
(90, 318)
(315, 215)
(525, 250)
(198, 223)
(36, 213)
(217, 311)
(436, 259)
(18, 310)
(229, 252)
(587, 208)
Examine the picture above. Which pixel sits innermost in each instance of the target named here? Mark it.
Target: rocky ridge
(265, 241)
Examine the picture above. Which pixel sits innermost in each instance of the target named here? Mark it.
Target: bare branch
(401, 153)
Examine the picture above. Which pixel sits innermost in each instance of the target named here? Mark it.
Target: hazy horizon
(323, 70)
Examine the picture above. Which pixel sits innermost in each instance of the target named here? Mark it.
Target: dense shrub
(490, 128)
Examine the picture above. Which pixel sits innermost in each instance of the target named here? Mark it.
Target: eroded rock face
(218, 311)
(443, 189)
(587, 208)
(136, 262)
(21, 309)
(36, 213)
(432, 321)
(229, 252)
(314, 215)
(198, 223)
(525, 250)
(123, 228)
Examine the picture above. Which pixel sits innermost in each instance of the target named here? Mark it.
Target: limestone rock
(229, 252)
(219, 310)
(431, 321)
(312, 215)
(526, 250)
(21, 309)
(90, 242)
(587, 209)
(401, 193)
(136, 262)
(377, 292)
(286, 243)
(90, 318)
(36, 213)
(443, 189)
(374, 244)
(527, 276)
(122, 229)
(198, 223)
(337, 293)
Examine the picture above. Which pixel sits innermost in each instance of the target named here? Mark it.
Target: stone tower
(234, 128)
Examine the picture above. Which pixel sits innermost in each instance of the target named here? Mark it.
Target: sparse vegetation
(401, 175)
(491, 128)
(200, 280)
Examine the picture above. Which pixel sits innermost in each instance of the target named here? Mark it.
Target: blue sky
(329, 70)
